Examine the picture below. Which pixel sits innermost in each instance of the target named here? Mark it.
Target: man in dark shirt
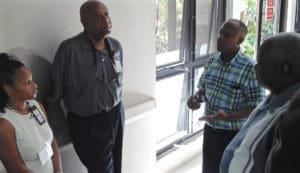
(87, 74)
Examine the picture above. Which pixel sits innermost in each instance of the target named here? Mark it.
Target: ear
(7, 89)
(82, 22)
(241, 39)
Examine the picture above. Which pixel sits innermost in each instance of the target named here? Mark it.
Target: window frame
(188, 61)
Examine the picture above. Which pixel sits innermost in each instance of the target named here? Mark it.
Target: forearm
(242, 113)
(9, 154)
(56, 160)
(19, 169)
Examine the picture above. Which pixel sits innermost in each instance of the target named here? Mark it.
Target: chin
(107, 33)
(34, 96)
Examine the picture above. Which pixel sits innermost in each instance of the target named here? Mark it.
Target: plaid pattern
(230, 87)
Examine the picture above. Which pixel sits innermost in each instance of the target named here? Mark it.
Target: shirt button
(102, 59)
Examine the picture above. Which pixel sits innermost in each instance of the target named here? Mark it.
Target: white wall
(33, 29)
(36, 27)
(133, 24)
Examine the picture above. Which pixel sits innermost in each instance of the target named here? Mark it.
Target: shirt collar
(232, 61)
(87, 44)
(283, 97)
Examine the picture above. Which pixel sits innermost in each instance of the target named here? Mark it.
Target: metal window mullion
(171, 25)
(258, 26)
(297, 18)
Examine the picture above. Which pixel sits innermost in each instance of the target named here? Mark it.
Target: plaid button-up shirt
(230, 87)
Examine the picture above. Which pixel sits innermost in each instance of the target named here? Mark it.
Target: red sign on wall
(269, 14)
(270, 2)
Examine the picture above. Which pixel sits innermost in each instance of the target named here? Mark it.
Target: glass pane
(170, 120)
(245, 10)
(203, 20)
(196, 114)
(168, 30)
(267, 28)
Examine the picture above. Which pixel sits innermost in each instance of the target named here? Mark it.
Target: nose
(219, 38)
(34, 85)
(107, 20)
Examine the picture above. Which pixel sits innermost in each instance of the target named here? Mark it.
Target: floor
(186, 159)
(192, 166)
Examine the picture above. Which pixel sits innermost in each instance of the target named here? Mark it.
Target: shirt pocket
(235, 91)
(118, 68)
(235, 87)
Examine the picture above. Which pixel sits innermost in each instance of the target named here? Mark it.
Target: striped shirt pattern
(230, 87)
(248, 150)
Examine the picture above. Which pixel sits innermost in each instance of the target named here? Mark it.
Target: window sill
(135, 106)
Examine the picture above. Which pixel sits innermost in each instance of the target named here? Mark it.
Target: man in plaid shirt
(230, 90)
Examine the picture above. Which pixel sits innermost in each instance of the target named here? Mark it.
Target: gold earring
(9, 94)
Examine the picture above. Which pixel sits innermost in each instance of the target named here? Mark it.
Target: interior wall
(133, 24)
(33, 30)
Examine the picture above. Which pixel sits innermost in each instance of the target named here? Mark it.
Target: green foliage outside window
(161, 30)
(249, 17)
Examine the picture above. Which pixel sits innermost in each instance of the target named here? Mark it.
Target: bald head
(241, 26)
(278, 61)
(95, 19)
(87, 8)
(286, 43)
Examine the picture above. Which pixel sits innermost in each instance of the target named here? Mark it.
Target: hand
(50, 106)
(193, 103)
(220, 115)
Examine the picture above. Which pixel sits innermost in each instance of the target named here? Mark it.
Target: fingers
(220, 115)
(208, 117)
(204, 118)
(193, 104)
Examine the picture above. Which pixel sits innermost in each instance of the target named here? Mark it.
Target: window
(186, 35)
(183, 43)
(246, 10)
(168, 31)
(203, 25)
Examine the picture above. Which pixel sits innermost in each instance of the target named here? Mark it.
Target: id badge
(38, 115)
(117, 66)
(46, 153)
